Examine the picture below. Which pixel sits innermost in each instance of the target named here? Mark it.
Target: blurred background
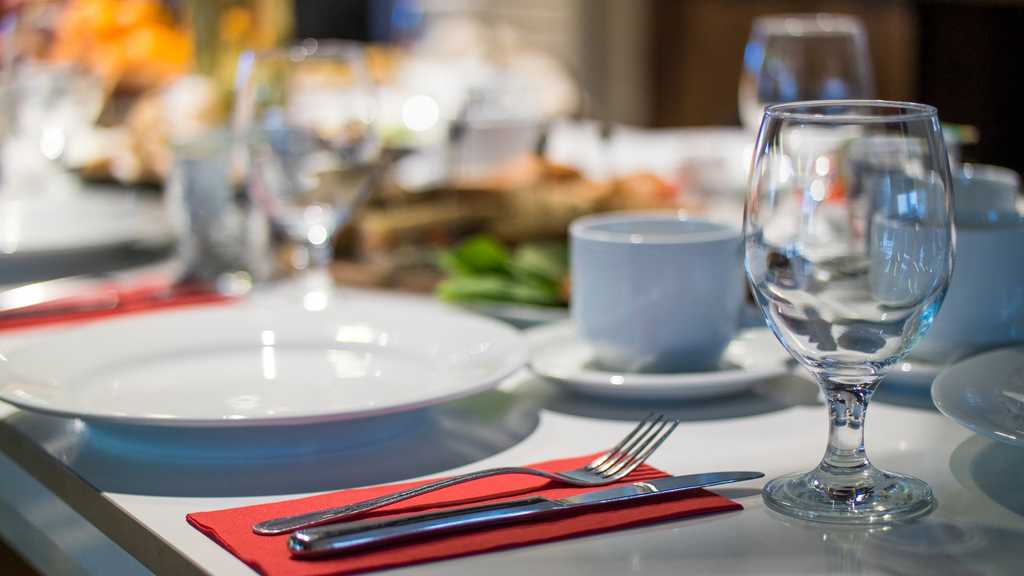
(676, 62)
(660, 62)
(495, 122)
(449, 149)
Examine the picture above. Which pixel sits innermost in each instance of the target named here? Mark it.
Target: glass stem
(314, 260)
(847, 408)
(309, 256)
(320, 255)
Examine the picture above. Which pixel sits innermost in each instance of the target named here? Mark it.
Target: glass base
(867, 496)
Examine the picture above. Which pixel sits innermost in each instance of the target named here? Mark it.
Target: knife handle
(345, 537)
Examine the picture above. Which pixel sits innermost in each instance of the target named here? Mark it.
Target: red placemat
(141, 297)
(232, 528)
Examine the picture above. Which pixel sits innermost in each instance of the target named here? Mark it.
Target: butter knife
(344, 537)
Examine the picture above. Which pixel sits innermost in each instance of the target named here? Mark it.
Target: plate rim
(948, 412)
(515, 360)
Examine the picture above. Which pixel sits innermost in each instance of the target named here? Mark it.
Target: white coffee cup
(985, 194)
(656, 292)
(984, 305)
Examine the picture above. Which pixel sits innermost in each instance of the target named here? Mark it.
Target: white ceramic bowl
(984, 307)
(984, 194)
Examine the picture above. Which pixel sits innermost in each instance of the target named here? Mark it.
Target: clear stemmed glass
(849, 249)
(800, 57)
(306, 116)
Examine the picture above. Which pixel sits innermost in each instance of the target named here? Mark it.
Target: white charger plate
(265, 361)
(985, 393)
(560, 355)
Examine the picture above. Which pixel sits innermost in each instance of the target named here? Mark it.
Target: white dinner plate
(985, 393)
(267, 360)
(80, 219)
(560, 355)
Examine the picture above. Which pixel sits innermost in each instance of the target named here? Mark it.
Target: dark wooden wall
(972, 61)
(960, 56)
(698, 48)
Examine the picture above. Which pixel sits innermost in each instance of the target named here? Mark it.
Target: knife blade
(26, 296)
(344, 537)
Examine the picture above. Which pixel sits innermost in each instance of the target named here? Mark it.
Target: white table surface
(76, 499)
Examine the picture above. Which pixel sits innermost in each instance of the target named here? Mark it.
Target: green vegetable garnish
(477, 255)
(547, 261)
(482, 269)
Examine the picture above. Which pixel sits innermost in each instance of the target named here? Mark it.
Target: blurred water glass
(55, 102)
(305, 114)
(220, 243)
(801, 57)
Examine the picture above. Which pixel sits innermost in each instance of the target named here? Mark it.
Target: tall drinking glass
(849, 249)
(306, 114)
(800, 57)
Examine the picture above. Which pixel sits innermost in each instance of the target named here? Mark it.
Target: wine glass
(305, 114)
(799, 57)
(849, 249)
(49, 100)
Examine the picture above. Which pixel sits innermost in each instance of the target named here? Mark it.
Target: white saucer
(558, 354)
(985, 393)
(271, 359)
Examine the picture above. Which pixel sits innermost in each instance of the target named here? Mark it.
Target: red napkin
(232, 528)
(112, 300)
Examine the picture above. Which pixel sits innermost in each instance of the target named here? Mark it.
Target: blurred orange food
(131, 44)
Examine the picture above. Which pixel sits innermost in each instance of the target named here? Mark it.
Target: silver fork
(609, 467)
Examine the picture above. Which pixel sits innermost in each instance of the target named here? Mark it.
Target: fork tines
(636, 447)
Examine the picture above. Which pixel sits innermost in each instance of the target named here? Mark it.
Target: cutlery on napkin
(232, 528)
(347, 537)
(74, 299)
(615, 464)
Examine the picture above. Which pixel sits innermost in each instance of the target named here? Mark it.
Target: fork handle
(290, 523)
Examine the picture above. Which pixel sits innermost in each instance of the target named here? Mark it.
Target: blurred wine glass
(46, 101)
(801, 57)
(305, 114)
(849, 251)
